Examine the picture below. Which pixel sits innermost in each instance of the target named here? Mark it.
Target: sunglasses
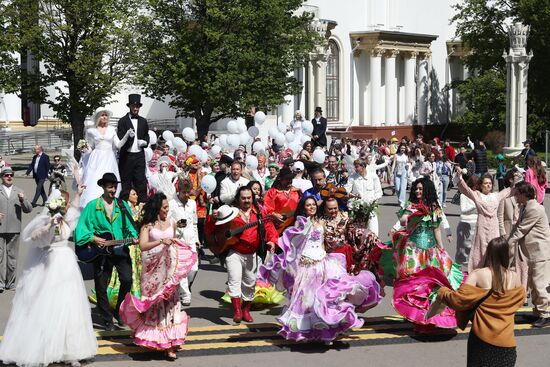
(8, 175)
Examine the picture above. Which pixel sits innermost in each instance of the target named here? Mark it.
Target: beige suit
(532, 232)
(508, 215)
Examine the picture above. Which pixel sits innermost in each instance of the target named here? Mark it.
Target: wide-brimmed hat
(226, 214)
(134, 99)
(108, 177)
(98, 112)
(164, 160)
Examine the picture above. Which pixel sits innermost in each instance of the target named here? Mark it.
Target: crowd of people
(293, 215)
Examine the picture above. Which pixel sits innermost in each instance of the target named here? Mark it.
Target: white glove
(130, 133)
(142, 143)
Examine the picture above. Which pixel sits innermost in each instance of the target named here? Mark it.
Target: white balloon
(178, 143)
(170, 143)
(273, 132)
(208, 183)
(203, 156)
(223, 141)
(152, 137)
(307, 127)
(251, 162)
(241, 125)
(244, 138)
(215, 150)
(258, 147)
(195, 150)
(289, 136)
(259, 118)
(304, 139)
(319, 156)
(168, 135)
(233, 141)
(233, 127)
(253, 131)
(148, 154)
(281, 126)
(188, 134)
(280, 139)
(216, 141)
(295, 147)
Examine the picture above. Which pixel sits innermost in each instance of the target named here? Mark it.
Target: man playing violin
(242, 257)
(282, 200)
(106, 215)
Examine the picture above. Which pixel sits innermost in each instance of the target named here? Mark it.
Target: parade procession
(323, 225)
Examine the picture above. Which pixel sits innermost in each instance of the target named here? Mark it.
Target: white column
(410, 95)
(375, 87)
(522, 108)
(391, 89)
(422, 92)
(321, 92)
(429, 91)
(310, 90)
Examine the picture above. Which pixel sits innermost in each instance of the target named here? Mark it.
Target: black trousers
(132, 173)
(103, 267)
(39, 191)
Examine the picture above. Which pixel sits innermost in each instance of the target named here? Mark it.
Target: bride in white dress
(103, 142)
(50, 317)
(296, 126)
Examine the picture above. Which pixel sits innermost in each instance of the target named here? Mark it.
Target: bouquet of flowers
(361, 210)
(56, 206)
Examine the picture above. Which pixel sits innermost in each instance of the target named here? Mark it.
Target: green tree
(85, 48)
(480, 24)
(212, 59)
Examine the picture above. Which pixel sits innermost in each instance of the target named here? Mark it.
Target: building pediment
(395, 42)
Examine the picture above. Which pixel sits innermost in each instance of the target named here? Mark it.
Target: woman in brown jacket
(498, 294)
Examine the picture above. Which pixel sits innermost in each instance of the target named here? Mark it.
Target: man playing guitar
(105, 215)
(242, 260)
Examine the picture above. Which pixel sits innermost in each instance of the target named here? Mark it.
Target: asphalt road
(215, 341)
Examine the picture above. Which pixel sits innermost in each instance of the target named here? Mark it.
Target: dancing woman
(418, 248)
(156, 319)
(50, 318)
(103, 142)
(322, 296)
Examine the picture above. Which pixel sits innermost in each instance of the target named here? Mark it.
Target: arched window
(333, 82)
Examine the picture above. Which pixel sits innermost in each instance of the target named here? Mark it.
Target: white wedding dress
(50, 319)
(102, 159)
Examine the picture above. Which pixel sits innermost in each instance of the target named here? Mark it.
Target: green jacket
(94, 220)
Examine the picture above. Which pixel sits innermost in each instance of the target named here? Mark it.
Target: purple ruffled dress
(322, 295)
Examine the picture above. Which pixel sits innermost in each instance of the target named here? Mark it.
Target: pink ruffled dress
(156, 319)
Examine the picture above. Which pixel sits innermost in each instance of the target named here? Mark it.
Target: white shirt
(36, 162)
(177, 211)
(7, 190)
(228, 188)
(302, 184)
(134, 147)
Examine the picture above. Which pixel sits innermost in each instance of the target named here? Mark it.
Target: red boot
(237, 314)
(246, 312)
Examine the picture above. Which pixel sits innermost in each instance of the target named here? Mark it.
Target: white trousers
(185, 283)
(373, 224)
(241, 274)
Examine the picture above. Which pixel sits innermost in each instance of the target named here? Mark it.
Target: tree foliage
(84, 48)
(212, 59)
(480, 25)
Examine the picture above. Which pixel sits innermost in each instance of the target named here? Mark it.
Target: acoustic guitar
(288, 220)
(224, 236)
(89, 252)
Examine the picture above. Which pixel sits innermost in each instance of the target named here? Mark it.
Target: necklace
(245, 216)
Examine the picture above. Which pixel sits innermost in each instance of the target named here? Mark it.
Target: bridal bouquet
(361, 210)
(56, 206)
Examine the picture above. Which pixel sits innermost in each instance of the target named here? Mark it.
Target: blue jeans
(443, 185)
(401, 188)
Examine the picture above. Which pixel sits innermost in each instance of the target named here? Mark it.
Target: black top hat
(527, 141)
(134, 99)
(318, 109)
(107, 178)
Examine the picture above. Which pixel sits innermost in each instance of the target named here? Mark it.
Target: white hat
(164, 160)
(298, 166)
(226, 214)
(98, 113)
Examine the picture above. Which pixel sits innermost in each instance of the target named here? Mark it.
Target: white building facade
(386, 63)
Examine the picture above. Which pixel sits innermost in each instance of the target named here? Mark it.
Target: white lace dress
(50, 317)
(101, 160)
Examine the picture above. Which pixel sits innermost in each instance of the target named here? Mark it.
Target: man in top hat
(131, 162)
(319, 128)
(106, 214)
(527, 151)
(12, 204)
